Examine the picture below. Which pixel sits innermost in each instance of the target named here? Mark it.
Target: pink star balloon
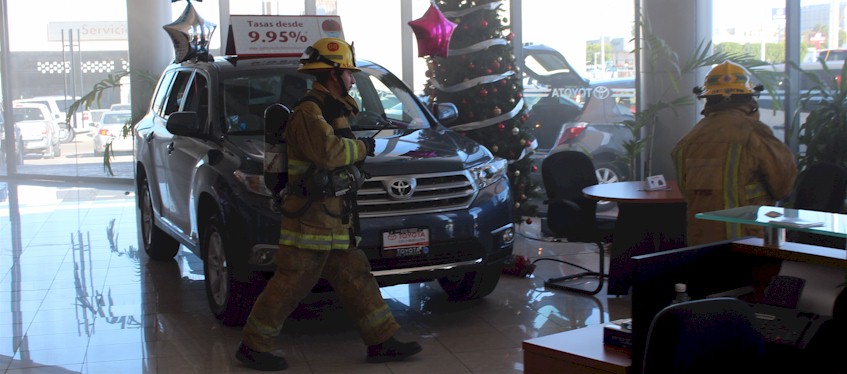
(433, 32)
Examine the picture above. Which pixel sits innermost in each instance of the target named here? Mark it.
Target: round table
(648, 221)
(634, 192)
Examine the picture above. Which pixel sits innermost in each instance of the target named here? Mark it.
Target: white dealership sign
(89, 31)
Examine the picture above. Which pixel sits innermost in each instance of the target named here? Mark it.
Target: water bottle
(681, 293)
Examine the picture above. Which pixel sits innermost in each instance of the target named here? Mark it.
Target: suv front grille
(415, 193)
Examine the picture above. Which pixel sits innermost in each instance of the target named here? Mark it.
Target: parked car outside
(110, 130)
(774, 115)
(567, 111)
(18, 143)
(200, 182)
(95, 116)
(839, 54)
(58, 106)
(595, 128)
(120, 107)
(39, 133)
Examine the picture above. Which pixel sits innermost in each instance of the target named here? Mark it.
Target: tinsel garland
(485, 79)
(464, 12)
(493, 120)
(478, 47)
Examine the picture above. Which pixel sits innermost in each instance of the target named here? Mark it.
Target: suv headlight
(490, 172)
(254, 183)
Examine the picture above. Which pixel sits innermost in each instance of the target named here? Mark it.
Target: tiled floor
(79, 297)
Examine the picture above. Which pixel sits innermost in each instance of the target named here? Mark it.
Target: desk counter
(579, 351)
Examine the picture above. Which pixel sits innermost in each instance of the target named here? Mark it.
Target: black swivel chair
(715, 335)
(571, 215)
(823, 187)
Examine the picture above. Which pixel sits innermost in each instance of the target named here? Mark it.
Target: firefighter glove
(370, 144)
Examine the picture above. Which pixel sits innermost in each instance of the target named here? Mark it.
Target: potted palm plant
(824, 132)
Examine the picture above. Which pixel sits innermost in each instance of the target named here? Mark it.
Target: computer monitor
(707, 270)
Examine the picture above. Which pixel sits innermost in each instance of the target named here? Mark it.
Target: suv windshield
(383, 102)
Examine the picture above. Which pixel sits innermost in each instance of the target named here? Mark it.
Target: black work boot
(264, 361)
(392, 350)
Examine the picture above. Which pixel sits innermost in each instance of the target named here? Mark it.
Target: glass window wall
(63, 52)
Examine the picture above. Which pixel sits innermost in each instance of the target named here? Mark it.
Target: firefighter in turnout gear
(317, 236)
(730, 158)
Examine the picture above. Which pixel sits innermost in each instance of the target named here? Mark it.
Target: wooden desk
(575, 352)
(648, 221)
(789, 251)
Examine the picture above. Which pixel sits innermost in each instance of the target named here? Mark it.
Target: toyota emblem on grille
(400, 189)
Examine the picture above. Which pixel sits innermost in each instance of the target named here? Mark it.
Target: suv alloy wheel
(157, 244)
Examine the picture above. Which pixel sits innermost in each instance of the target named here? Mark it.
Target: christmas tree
(480, 75)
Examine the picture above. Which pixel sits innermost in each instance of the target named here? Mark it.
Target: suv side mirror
(446, 112)
(183, 123)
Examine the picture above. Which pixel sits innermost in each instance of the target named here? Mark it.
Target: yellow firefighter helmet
(727, 79)
(328, 53)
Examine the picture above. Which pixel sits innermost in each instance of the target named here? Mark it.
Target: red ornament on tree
(501, 126)
(433, 32)
(483, 92)
(483, 23)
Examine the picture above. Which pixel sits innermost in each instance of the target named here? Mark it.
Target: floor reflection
(82, 298)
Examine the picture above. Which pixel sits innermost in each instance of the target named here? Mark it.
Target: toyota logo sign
(400, 189)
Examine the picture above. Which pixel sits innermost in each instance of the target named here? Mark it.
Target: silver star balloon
(191, 35)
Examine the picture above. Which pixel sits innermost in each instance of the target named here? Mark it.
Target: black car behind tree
(568, 112)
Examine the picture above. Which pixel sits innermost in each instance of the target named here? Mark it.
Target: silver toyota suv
(200, 184)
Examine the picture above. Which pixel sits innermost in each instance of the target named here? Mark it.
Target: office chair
(822, 186)
(571, 215)
(716, 335)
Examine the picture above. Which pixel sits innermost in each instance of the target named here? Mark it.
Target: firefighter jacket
(730, 159)
(315, 143)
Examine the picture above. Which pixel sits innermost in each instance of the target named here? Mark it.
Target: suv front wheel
(472, 285)
(229, 298)
(157, 244)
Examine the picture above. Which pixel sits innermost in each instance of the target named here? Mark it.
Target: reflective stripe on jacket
(313, 141)
(730, 159)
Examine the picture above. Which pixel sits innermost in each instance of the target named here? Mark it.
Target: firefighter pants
(297, 272)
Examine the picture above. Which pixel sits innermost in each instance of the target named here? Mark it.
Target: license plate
(406, 242)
